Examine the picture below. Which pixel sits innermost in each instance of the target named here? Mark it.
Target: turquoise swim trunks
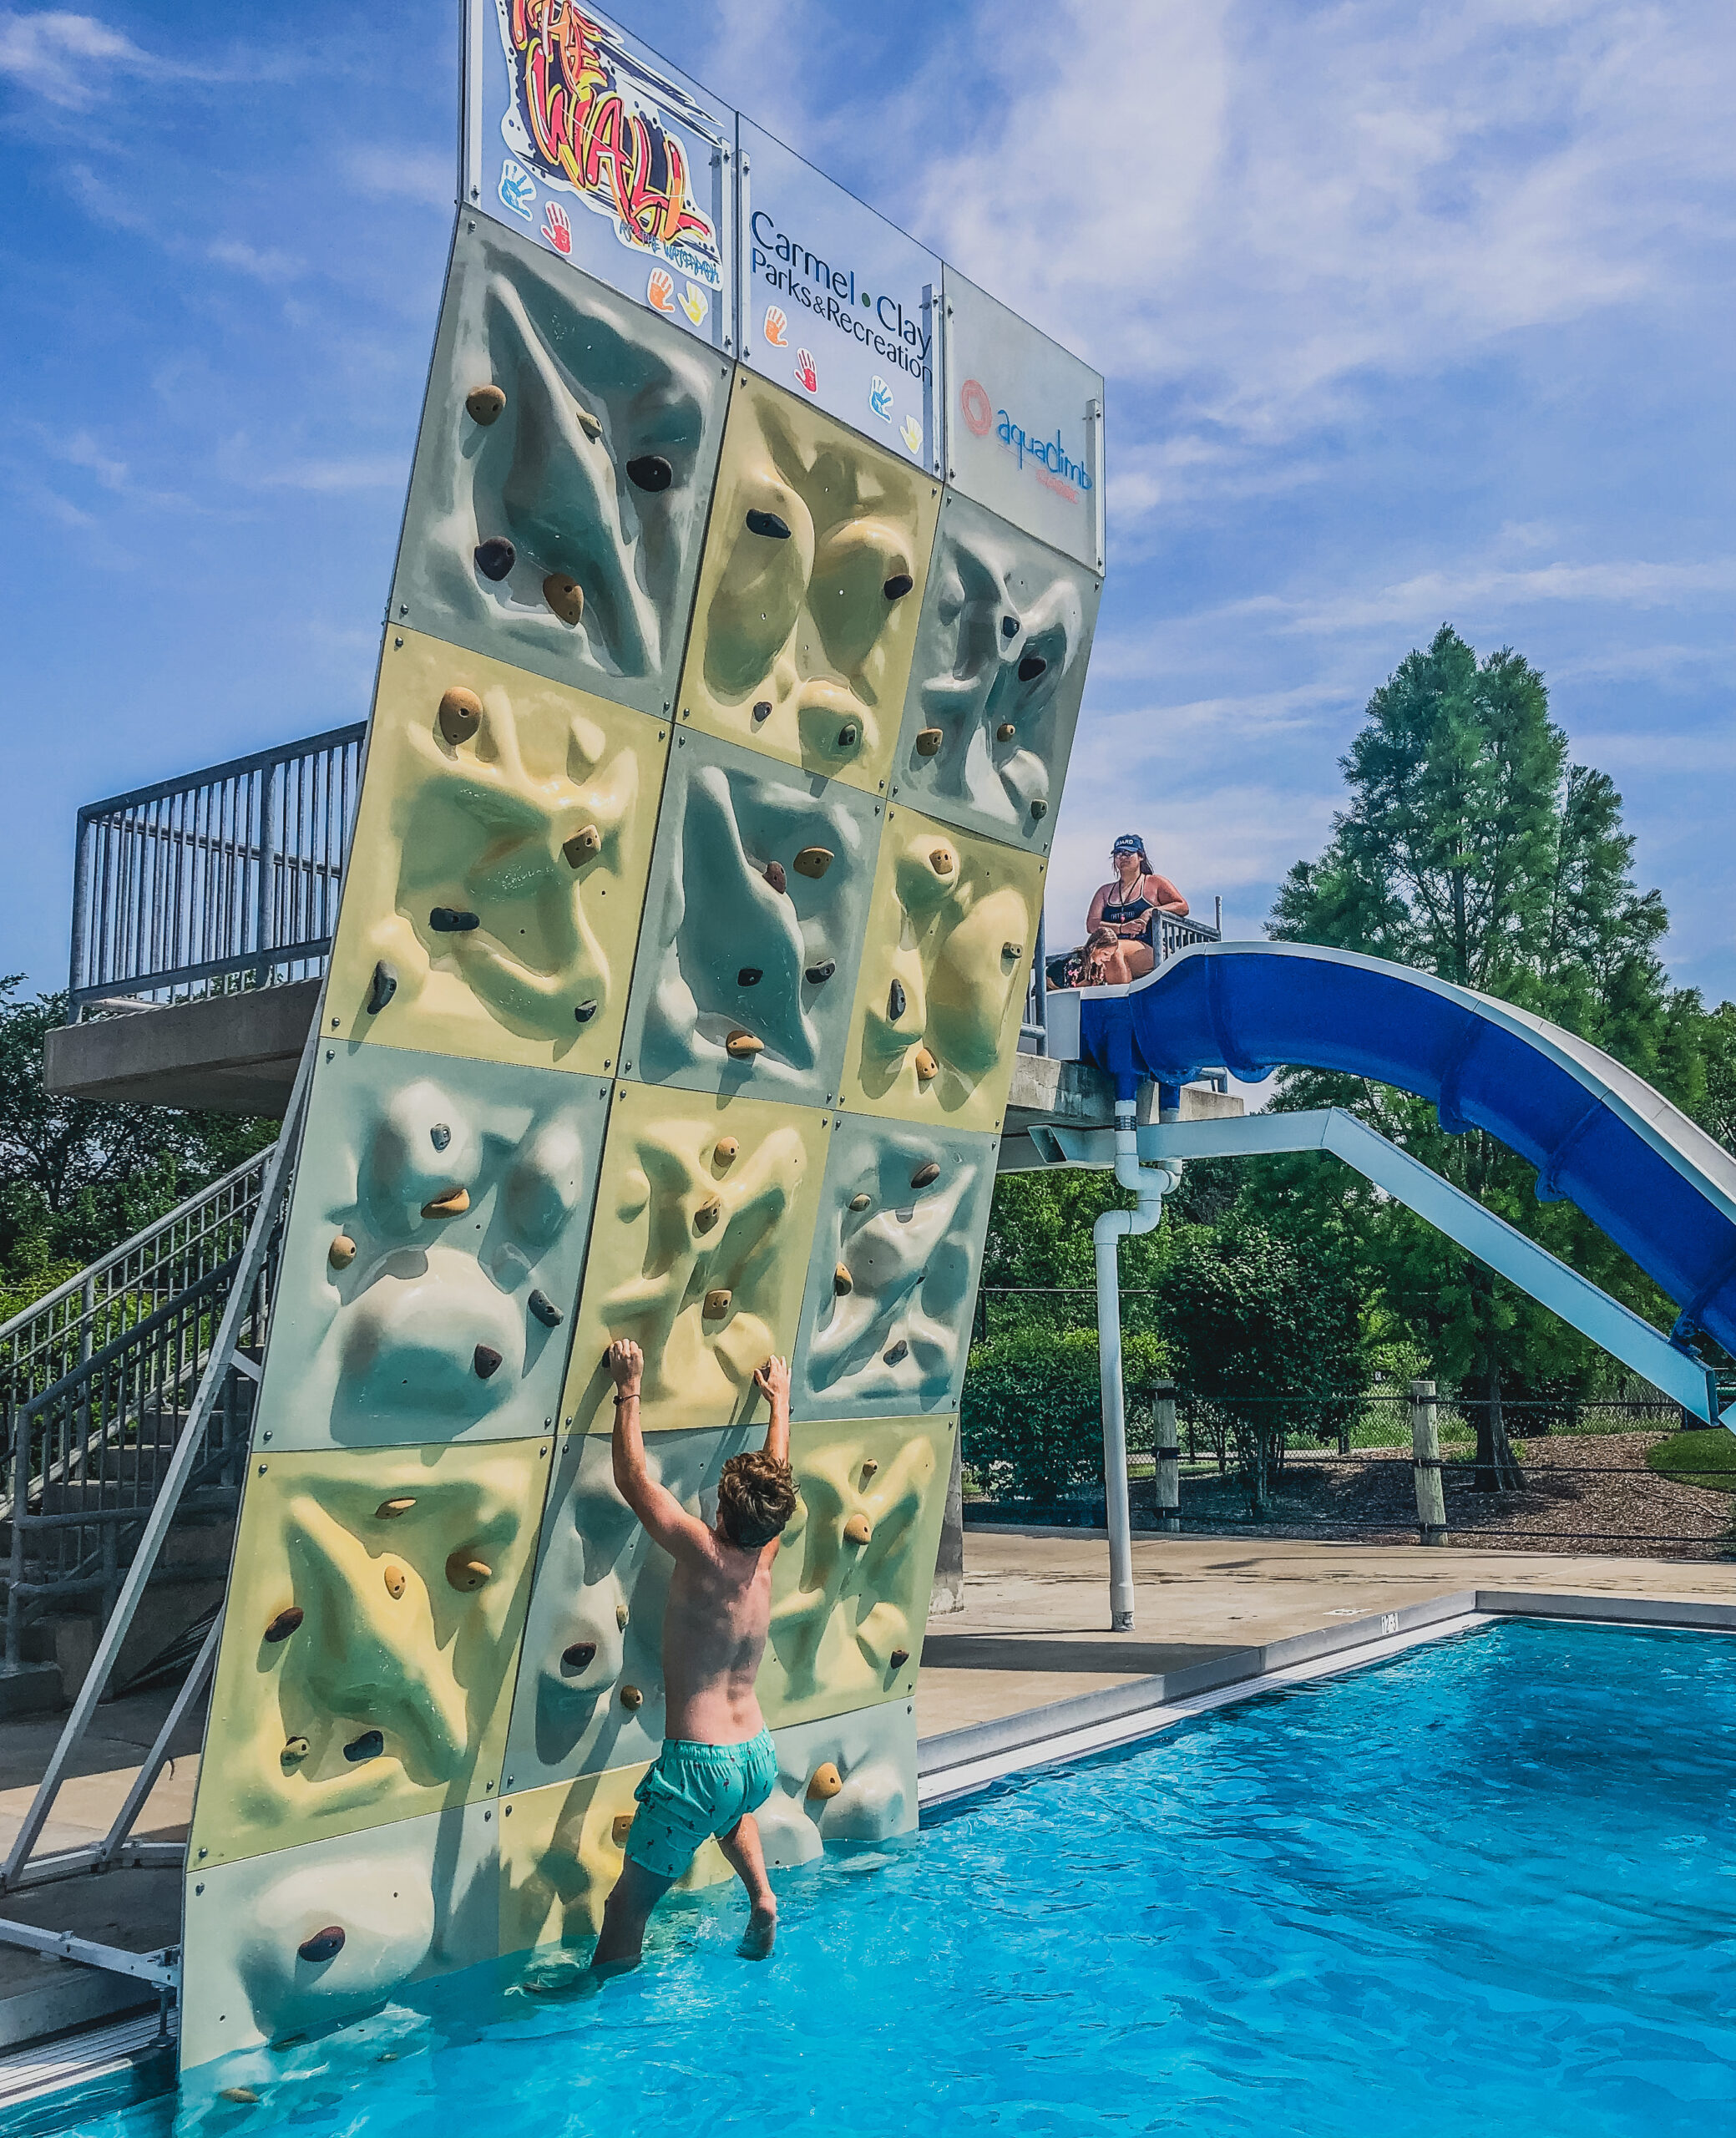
(693, 1791)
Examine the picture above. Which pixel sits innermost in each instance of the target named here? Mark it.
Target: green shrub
(1032, 1414)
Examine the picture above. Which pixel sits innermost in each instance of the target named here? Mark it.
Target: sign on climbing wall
(576, 133)
(837, 303)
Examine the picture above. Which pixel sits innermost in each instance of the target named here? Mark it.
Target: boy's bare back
(714, 1626)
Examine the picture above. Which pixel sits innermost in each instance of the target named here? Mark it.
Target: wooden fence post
(1425, 1465)
(1168, 1454)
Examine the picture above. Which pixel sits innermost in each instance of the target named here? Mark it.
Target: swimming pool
(1487, 1886)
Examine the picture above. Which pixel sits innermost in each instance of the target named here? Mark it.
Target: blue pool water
(1488, 1887)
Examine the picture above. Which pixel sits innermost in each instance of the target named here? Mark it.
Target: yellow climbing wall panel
(699, 1250)
(952, 933)
(371, 1633)
(499, 867)
(810, 590)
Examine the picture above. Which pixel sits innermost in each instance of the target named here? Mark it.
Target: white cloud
(1435, 596)
(268, 265)
(67, 59)
(426, 176)
(383, 471)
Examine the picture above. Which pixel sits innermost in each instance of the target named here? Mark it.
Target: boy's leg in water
(625, 1913)
(741, 1845)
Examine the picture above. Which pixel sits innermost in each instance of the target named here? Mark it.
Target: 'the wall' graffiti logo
(588, 115)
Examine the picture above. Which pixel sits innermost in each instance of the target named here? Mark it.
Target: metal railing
(222, 879)
(1168, 936)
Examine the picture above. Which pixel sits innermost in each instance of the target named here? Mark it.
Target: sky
(1408, 315)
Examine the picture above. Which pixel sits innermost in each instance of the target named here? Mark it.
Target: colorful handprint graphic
(807, 377)
(557, 228)
(778, 328)
(660, 291)
(695, 302)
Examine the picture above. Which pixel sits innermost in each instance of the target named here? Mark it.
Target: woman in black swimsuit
(1119, 925)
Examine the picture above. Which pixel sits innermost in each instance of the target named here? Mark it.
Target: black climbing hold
(324, 1944)
(762, 709)
(749, 976)
(901, 1350)
(381, 988)
(1009, 627)
(285, 1623)
(898, 586)
(769, 524)
(579, 1656)
(816, 975)
(448, 920)
(496, 557)
(546, 1310)
(650, 471)
(925, 1176)
(847, 736)
(485, 1360)
(585, 1011)
(895, 1001)
(1030, 667)
(1039, 810)
(368, 1745)
(439, 1135)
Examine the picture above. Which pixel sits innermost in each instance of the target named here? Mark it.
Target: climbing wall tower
(735, 647)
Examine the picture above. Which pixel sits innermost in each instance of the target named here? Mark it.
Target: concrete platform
(229, 1053)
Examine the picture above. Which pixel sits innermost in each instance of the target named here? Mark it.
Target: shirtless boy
(718, 1765)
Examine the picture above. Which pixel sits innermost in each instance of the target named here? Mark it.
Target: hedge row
(1032, 1411)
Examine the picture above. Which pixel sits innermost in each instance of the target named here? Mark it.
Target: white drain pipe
(1150, 1184)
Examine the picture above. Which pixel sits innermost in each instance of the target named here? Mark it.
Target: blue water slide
(1599, 1136)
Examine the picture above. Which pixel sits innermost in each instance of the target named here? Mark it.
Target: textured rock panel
(872, 1754)
(810, 590)
(699, 1251)
(886, 1316)
(372, 1631)
(951, 935)
(498, 865)
(996, 680)
(429, 1281)
(741, 935)
(595, 471)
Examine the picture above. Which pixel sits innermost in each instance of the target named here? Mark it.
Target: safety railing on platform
(1169, 935)
(222, 879)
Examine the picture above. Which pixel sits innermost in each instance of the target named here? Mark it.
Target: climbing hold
(342, 1252)
(1012, 949)
(650, 471)
(724, 1150)
(895, 1001)
(579, 1656)
(324, 1945)
(394, 1579)
(869, 1467)
(440, 1135)
(1009, 627)
(485, 1360)
(708, 1213)
(1039, 810)
(620, 1828)
(368, 1745)
(1005, 731)
(847, 736)
(814, 861)
(899, 1350)
(769, 524)
(749, 976)
(926, 1068)
(899, 1658)
(465, 1573)
(381, 988)
(924, 1176)
(452, 920)
(285, 1623)
(588, 424)
(716, 1306)
(776, 877)
(585, 1011)
(621, 1616)
(581, 846)
(898, 586)
(817, 976)
(843, 1281)
(941, 860)
(246, 2093)
(631, 1698)
(390, 1510)
(743, 1046)
(546, 1310)
(483, 403)
(1030, 667)
(929, 741)
(858, 1529)
(762, 709)
(294, 1752)
(460, 714)
(825, 1781)
(452, 1203)
(496, 557)
(564, 596)
(860, 1202)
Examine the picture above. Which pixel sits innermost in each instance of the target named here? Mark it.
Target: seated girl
(1119, 948)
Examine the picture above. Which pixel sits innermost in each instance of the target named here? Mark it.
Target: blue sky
(1409, 314)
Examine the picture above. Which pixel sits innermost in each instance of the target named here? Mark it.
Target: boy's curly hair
(756, 1498)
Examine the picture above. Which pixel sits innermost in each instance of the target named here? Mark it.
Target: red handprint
(659, 290)
(556, 228)
(805, 375)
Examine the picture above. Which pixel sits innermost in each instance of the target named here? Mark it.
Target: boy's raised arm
(666, 1521)
(772, 1380)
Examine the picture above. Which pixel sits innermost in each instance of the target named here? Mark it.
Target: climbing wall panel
(850, 1586)
(427, 1282)
(304, 1938)
(886, 1317)
(996, 680)
(952, 933)
(699, 1251)
(590, 1681)
(810, 590)
(568, 450)
(561, 1851)
(498, 867)
(753, 928)
(848, 1778)
(372, 1631)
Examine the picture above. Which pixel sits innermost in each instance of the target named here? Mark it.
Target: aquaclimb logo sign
(1048, 459)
